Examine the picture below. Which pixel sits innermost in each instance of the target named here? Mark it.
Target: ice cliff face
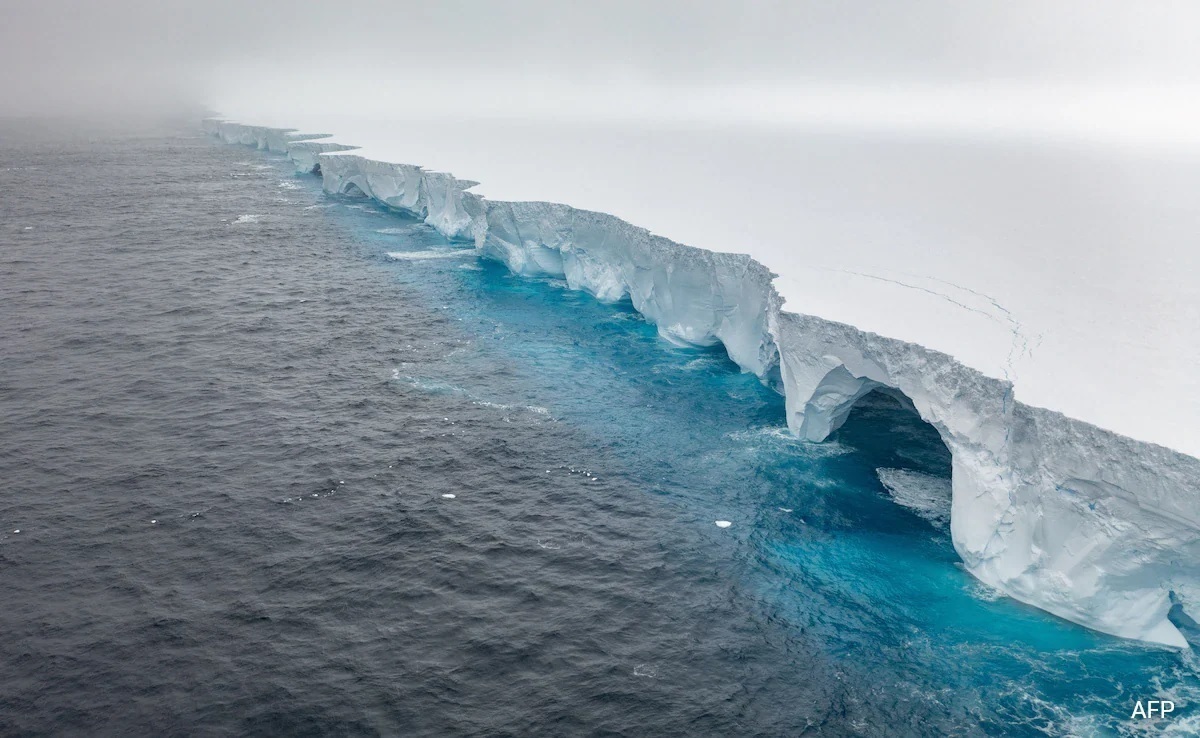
(1089, 525)
(301, 147)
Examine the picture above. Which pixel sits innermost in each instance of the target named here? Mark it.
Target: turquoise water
(818, 546)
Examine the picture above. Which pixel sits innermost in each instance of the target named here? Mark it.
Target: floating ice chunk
(430, 254)
(152, 522)
(723, 523)
(449, 495)
(18, 530)
(785, 509)
(926, 495)
(645, 670)
(241, 219)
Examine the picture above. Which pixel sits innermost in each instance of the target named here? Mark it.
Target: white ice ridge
(1091, 525)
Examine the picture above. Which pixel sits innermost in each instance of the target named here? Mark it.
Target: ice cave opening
(352, 190)
(912, 461)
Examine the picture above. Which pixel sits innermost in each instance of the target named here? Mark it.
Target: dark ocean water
(230, 424)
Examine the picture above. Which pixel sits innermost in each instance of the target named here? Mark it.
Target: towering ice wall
(1087, 524)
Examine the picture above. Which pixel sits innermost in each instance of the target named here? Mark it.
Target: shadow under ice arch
(1090, 525)
(352, 189)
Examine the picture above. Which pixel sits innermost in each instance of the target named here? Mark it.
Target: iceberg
(1081, 520)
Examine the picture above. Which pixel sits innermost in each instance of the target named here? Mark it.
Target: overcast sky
(1139, 59)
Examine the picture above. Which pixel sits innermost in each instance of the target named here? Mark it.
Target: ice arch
(352, 189)
(834, 397)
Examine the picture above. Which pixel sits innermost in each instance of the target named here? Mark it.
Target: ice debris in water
(723, 523)
(926, 495)
(449, 496)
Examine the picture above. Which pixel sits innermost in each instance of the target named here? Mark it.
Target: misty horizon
(1104, 71)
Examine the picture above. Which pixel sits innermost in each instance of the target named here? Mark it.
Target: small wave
(536, 409)
(289, 185)
(430, 254)
(242, 219)
(428, 385)
(645, 670)
(780, 436)
(432, 385)
(704, 362)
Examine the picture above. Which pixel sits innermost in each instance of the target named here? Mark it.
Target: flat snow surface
(1071, 269)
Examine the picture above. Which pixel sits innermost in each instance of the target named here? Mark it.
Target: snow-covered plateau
(1039, 307)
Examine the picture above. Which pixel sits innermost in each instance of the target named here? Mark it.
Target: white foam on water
(704, 362)
(768, 437)
(645, 670)
(248, 218)
(926, 495)
(392, 231)
(288, 185)
(430, 254)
